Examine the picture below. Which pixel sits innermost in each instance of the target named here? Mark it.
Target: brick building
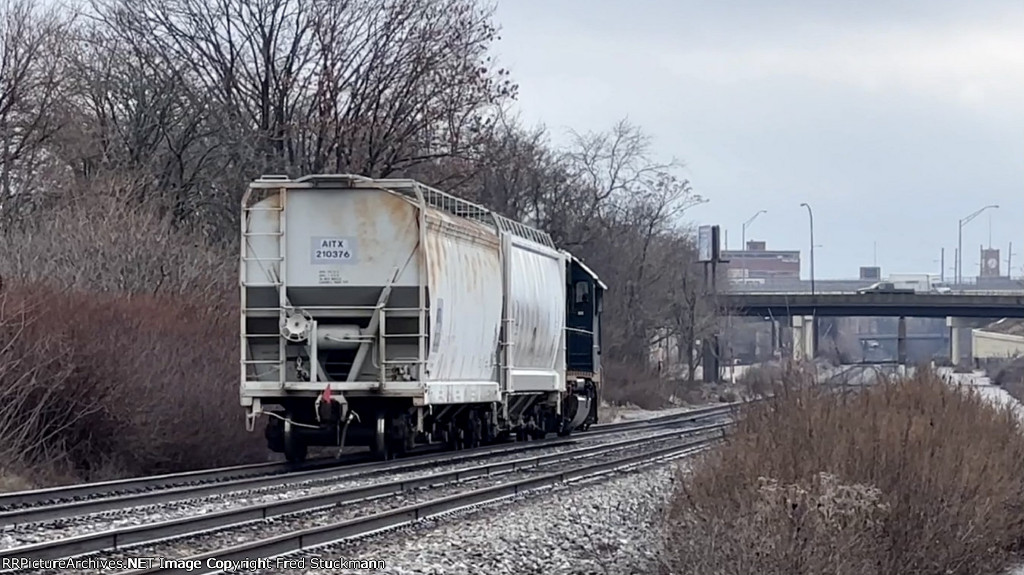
(758, 263)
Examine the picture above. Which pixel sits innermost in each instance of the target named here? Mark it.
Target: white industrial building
(999, 340)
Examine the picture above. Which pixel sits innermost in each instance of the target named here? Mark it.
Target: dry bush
(93, 385)
(103, 238)
(911, 476)
(1010, 376)
(48, 407)
(131, 366)
(636, 385)
(760, 380)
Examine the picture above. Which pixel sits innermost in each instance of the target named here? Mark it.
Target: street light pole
(810, 214)
(743, 239)
(960, 241)
(743, 228)
(814, 318)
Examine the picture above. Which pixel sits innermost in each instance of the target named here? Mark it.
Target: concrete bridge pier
(960, 337)
(804, 338)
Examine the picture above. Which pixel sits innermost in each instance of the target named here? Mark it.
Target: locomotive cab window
(582, 295)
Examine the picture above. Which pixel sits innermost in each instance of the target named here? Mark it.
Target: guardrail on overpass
(847, 292)
(874, 304)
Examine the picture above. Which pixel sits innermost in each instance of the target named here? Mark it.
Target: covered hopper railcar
(387, 314)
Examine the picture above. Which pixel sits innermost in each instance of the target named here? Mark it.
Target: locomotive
(389, 314)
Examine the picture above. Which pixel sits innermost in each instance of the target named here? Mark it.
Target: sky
(893, 120)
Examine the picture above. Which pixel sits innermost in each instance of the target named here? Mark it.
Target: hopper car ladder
(275, 280)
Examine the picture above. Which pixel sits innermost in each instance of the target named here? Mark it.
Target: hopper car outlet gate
(385, 313)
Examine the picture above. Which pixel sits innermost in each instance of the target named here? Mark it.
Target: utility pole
(710, 255)
(1009, 262)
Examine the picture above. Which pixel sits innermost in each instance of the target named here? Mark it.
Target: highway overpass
(779, 305)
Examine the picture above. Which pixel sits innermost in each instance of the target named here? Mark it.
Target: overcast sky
(892, 119)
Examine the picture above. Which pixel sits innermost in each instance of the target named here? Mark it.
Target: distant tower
(990, 263)
(870, 273)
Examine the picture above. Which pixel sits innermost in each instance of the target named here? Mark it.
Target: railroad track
(55, 496)
(33, 524)
(344, 513)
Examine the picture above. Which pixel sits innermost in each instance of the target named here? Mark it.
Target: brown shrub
(637, 385)
(102, 238)
(907, 476)
(760, 380)
(95, 385)
(1009, 375)
(131, 366)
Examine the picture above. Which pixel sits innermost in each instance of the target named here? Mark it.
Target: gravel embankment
(609, 527)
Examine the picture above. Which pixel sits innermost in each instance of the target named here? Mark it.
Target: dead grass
(607, 413)
(11, 482)
(905, 477)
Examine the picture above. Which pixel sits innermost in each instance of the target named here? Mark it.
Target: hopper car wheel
(379, 445)
(294, 448)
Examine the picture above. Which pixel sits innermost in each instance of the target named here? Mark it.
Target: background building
(758, 263)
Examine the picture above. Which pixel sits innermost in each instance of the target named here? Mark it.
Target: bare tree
(139, 117)
(32, 42)
(693, 312)
(365, 86)
(624, 221)
(404, 83)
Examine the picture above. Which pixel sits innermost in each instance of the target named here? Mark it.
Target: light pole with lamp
(814, 318)
(743, 238)
(960, 241)
(810, 214)
(743, 231)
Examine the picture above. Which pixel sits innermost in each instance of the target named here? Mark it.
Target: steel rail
(298, 541)
(50, 495)
(42, 513)
(116, 539)
(69, 492)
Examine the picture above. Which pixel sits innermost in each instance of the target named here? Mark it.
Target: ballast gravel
(29, 534)
(604, 527)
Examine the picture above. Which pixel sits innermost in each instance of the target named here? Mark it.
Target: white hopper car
(385, 313)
